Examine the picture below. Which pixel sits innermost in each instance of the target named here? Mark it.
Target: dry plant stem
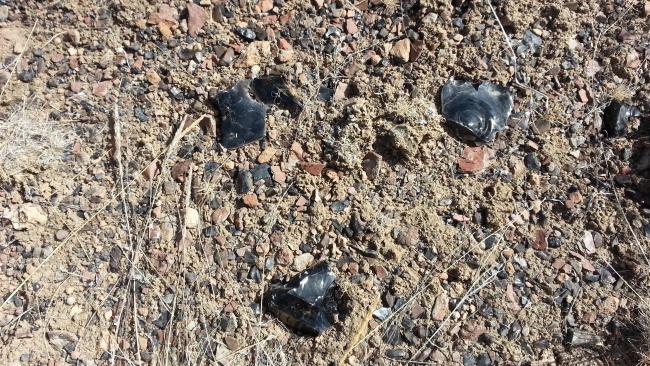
(17, 61)
(114, 196)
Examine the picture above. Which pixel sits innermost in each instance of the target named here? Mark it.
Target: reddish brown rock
(278, 175)
(196, 18)
(180, 169)
(284, 257)
(313, 168)
(165, 15)
(265, 6)
(76, 86)
(283, 44)
(409, 237)
(250, 200)
(401, 50)
(473, 160)
(609, 305)
(440, 307)
(351, 26)
(380, 272)
(231, 343)
(220, 215)
(101, 89)
(539, 243)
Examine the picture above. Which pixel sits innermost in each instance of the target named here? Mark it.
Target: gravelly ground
(132, 246)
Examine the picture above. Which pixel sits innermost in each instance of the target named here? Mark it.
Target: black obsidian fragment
(479, 112)
(242, 117)
(272, 89)
(308, 303)
(616, 116)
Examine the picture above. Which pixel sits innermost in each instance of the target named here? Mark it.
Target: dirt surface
(136, 244)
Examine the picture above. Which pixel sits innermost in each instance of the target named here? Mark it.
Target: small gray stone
(4, 13)
(228, 323)
(60, 235)
(397, 353)
(245, 181)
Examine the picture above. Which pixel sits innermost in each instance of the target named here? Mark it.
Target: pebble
(313, 168)
(26, 76)
(284, 257)
(532, 162)
(60, 235)
(397, 353)
(440, 307)
(196, 18)
(220, 215)
(371, 165)
(245, 181)
(152, 77)
(61, 338)
(469, 360)
(301, 262)
(609, 305)
(228, 323)
(401, 50)
(76, 86)
(231, 343)
(278, 175)
(250, 200)
(473, 160)
(192, 218)
(266, 155)
(246, 33)
(4, 13)
(483, 360)
(101, 89)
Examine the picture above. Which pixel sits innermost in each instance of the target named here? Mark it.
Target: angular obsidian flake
(308, 303)
(272, 89)
(616, 116)
(479, 112)
(242, 117)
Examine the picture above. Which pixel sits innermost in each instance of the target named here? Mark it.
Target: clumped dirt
(142, 240)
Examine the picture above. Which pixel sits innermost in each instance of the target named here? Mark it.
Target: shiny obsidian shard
(242, 117)
(479, 112)
(309, 303)
(616, 116)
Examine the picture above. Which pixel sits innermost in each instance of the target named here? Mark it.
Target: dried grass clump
(30, 140)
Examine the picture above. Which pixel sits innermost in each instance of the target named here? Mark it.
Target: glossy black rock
(479, 112)
(242, 117)
(616, 116)
(308, 303)
(272, 89)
